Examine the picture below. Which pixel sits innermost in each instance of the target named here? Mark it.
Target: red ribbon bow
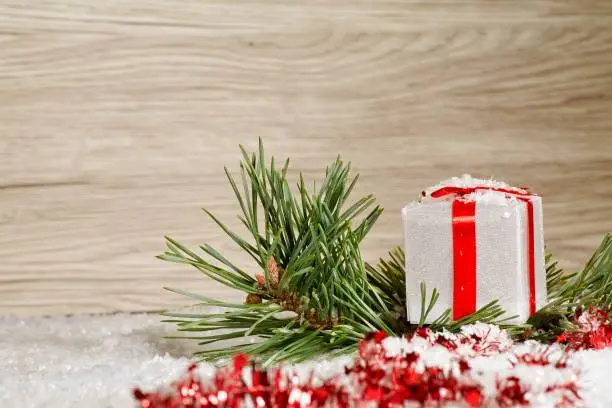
(464, 245)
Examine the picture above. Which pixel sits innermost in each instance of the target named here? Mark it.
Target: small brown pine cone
(253, 299)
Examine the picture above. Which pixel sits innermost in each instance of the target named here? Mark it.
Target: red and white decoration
(475, 241)
(478, 367)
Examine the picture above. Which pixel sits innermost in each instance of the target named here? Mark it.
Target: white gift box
(475, 241)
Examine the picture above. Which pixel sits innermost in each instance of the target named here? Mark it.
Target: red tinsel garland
(594, 331)
(391, 372)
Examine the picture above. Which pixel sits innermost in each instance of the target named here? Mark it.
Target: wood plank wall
(116, 118)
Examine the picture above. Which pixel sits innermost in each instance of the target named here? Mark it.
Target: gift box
(475, 241)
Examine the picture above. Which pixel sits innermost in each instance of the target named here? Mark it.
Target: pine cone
(253, 299)
(274, 272)
(261, 281)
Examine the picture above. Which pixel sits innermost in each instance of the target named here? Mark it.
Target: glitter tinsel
(424, 369)
(593, 332)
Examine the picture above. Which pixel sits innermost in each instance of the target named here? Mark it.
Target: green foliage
(592, 286)
(314, 294)
(313, 239)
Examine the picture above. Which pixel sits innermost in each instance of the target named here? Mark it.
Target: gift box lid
(485, 190)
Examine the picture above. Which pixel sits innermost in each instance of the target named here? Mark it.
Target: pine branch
(311, 292)
(307, 253)
(569, 292)
(388, 279)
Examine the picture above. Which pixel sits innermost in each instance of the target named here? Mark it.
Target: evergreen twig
(312, 292)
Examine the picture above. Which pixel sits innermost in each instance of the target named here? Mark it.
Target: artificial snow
(467, 180)
(96, 361)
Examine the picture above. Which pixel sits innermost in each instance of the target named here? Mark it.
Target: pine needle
(320, 297)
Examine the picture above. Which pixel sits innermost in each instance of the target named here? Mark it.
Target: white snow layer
(95, 361)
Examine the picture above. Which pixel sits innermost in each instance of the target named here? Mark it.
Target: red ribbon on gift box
(464, 245)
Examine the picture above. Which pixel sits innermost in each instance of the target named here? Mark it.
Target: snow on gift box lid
(475, 241)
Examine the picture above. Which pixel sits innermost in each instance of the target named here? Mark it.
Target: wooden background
(116, 118)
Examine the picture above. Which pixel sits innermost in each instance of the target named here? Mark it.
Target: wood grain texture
(116, 118)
